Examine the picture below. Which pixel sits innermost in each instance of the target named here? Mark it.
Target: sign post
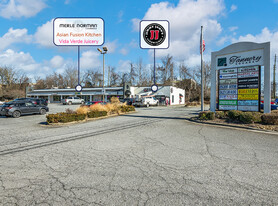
(71, 31)
(154, 35)
(239, 77)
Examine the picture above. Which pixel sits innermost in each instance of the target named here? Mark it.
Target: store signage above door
(249, 58)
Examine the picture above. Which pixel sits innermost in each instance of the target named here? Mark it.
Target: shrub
(206, 115)
(70, 111)
(115, 100)
(95, 114)
(247, 117)
(234, 114)
(127, 108)
(112, 108)
(220, 114)
(271, 118)
(98, 107)
(83, 110)
(64, 117)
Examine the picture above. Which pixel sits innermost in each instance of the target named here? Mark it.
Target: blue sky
(26, 30)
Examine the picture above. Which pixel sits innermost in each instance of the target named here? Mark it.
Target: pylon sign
(154, 34)
(238, 68)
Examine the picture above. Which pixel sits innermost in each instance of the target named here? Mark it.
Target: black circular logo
(154, 34)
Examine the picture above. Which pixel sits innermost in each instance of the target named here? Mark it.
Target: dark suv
(37, 101)
(18, 108)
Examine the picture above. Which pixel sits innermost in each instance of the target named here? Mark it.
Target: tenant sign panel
(78, 31)
(239, 88)
(154, 34)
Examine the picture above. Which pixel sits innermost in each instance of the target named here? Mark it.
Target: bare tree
(184, 72)
(13, 83)
(70, 76)
(166, 71)
(132, 74)
(114, 77)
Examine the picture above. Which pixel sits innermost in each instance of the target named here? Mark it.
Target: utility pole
(274, 80)
(202, 71)
(109, 76)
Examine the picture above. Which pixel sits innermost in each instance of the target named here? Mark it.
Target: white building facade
(173, 95)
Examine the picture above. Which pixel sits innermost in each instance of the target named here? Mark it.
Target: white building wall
(176, 96)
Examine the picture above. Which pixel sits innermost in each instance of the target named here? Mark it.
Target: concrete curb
(232, 126)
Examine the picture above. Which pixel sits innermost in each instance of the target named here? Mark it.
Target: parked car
(18, 108)
(146, 101)
(37, 101)
(73, 100)
(94, 102)
(1, 103)
(273, 106)
(270, 102)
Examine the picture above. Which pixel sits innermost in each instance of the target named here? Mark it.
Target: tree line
(138, 74)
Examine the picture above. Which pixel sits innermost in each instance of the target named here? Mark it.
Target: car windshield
(8, 104)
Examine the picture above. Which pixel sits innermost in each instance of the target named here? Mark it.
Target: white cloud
(25, 62)
(134, 43)
(90, 60)
(124, 51)
(123, 66)
(111, 46)
(233, 8)
(18, 60)
(14, 36)
(21, 8)
(120, 16)
(67, 1)
(57, 62)
(233, 28)
(265, 36)
(44, 34)
(135, 23)
(185, 22)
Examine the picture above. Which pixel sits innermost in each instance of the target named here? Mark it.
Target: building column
(91, 98)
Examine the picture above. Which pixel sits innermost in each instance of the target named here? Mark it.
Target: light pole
(105, 50)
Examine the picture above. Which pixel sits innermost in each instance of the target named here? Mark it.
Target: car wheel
(82, 103)
(42, 111)
(70, 103)
(16, 114)
(148, 104)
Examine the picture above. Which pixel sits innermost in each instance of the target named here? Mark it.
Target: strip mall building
(174, 94)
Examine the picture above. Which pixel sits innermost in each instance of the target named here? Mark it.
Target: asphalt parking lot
(151, 157)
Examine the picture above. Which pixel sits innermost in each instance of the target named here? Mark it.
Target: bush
(83, 110)
(271, 118)
(98, 107)
(127, 108)
(95, 114)
(70, 111)
(206, 115)
(234, 114)
(220, 114)
(112, 108)
(248, 117)
(64, 117)
(115, 100)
